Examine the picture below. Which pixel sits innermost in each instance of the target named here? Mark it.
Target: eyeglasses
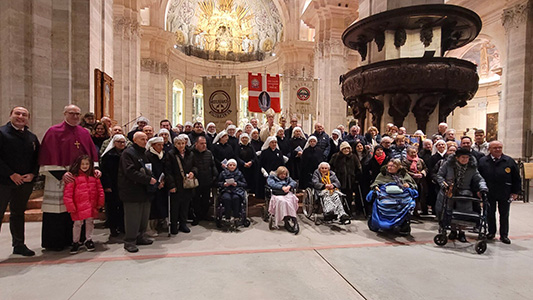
(73, 113)
(120, 142)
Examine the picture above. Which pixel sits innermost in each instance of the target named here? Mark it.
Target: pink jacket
(83, 197)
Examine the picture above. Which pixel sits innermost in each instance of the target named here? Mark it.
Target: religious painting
(104, 96)
(492, 127)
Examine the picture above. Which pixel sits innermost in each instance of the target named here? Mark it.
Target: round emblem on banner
(264, 101)
(220, 103)
(255, 83)
(303, 94)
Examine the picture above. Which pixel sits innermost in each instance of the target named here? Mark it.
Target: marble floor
(321, 262)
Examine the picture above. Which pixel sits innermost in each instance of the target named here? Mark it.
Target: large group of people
(148, 179)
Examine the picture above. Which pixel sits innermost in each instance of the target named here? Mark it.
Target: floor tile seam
(224, 252)
(85, 281)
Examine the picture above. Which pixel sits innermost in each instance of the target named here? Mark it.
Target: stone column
(515, 117)
(330, 19)
(126, 62)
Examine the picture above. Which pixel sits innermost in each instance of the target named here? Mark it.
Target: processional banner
(220, 100)
(303, 95)
(263, 93)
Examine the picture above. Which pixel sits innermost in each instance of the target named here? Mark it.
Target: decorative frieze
(154, 66)
(127, 26)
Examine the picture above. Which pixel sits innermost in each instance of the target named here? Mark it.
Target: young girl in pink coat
(83, 198)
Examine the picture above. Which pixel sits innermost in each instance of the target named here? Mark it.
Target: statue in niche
(247, 46)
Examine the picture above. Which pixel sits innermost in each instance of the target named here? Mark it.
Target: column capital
(516, 15)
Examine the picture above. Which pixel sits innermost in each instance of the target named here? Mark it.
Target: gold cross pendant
(77, 144)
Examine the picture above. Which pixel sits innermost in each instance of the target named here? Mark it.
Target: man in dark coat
(466, 143)
(197, 130)
(205, 170)
(19, 165)
(134, 179)
(322, 140)
(503, 180)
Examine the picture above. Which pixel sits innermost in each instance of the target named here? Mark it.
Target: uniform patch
(507, 170)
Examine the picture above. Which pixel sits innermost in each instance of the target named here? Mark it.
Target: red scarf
(381, 158)
(414, 161)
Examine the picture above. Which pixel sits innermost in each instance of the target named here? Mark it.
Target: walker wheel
(481, 247)
(440, 239)
(246, 222)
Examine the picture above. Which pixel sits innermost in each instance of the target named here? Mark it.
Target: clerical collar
(17, 129)
(71, 124)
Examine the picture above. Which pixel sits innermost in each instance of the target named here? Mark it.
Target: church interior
(338, 62)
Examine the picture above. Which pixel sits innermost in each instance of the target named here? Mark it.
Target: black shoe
(344, 218)
(89, 244)
(453, 235)
(505, 240)
(173, 229)
(461, 237)
(195, 222)
(113, 232)
(490, 236)
(144, 241)
(184, 228)
(75, 248)
(23, 250)
(131, 248)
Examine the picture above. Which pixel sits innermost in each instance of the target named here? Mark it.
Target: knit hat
(345, 145)
(461, 152)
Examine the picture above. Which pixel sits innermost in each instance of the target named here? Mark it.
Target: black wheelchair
(219, 213)
(312, 208)
(291, 223)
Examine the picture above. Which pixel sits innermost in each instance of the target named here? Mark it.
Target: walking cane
(168, 219)
(361, 199)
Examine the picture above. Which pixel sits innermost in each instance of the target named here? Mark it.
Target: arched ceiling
(225, 26)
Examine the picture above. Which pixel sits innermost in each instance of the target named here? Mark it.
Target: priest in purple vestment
(61, 145)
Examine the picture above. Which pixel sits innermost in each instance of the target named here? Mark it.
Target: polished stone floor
(321, 262)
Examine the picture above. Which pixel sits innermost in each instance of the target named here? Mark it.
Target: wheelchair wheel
(440, 239)
(292, 225)
(265, 214)
(370, 226)
(271, 222)
(308, 203)
(481, 247)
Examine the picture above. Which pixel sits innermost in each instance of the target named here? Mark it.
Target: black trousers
(232, 204)
(114, 210)
(17, 198)
(503, 206)
(201, 202)
(179, 206)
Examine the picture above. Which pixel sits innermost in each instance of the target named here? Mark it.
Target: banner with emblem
(303, 95)
(220, 100)
(263, 93)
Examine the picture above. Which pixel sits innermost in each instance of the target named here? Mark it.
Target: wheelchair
(291, 224)
(219, 213)
(312, 208)
(463, 215)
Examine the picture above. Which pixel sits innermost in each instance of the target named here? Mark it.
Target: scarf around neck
(381, 158)
(159, 155)
(414, 162)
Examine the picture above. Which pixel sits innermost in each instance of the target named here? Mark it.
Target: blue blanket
(390, 210)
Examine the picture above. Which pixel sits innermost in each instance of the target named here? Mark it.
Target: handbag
(188, 183)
